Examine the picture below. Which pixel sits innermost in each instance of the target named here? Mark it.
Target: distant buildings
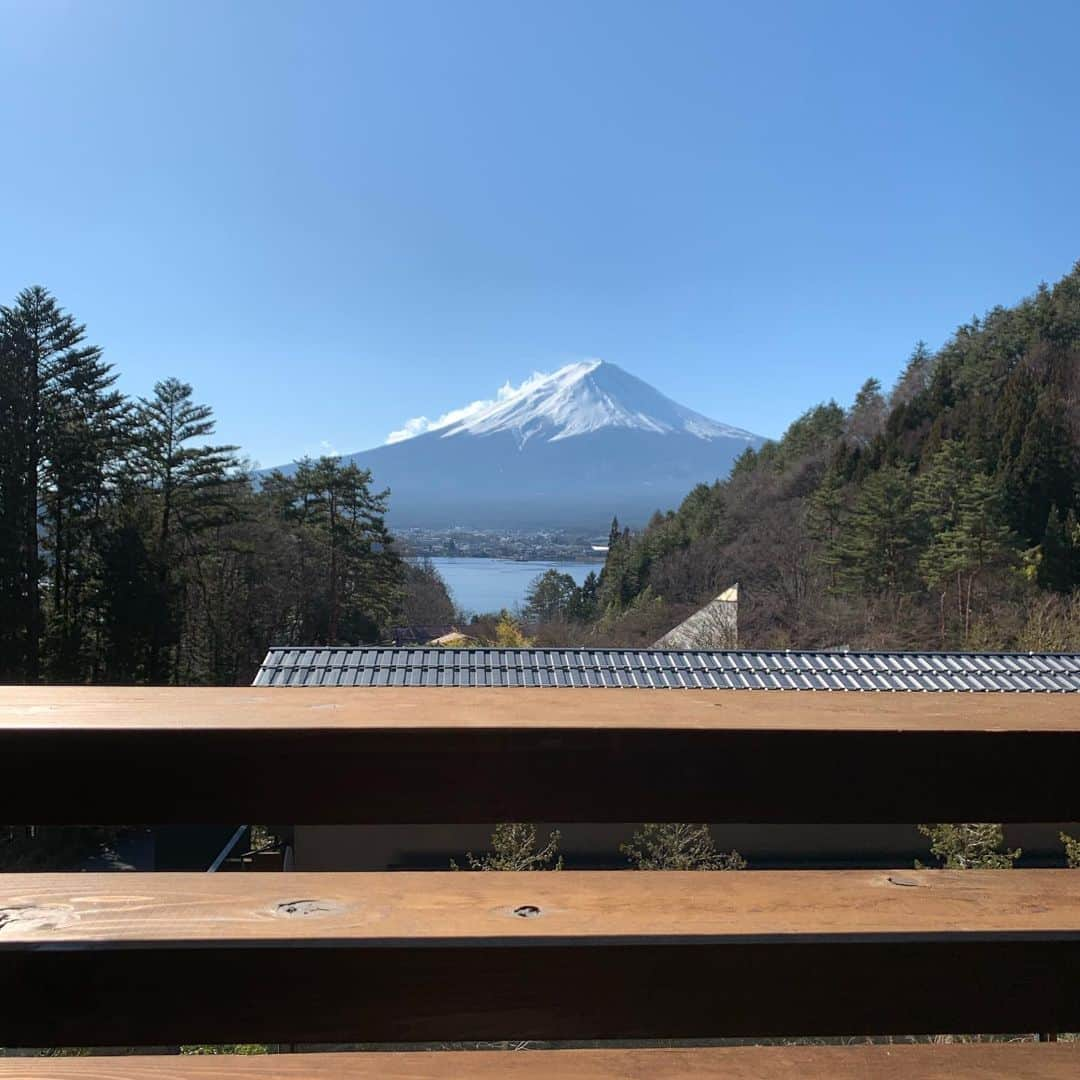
(548, 545)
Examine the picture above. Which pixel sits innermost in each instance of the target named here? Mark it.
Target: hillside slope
(942, 513)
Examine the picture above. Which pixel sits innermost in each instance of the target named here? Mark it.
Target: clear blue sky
(330, 217)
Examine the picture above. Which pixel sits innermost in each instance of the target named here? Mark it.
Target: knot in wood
(306, 907)
(527, 911)
(32, 917)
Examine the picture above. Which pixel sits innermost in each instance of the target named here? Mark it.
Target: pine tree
(962, 507)
(187, 489)
(60, 417)
(186, 479)
(915, 377)
(866, 417)
(80, 477)
(583, 607)
(1037, 457)
(826, 521)
(1058, 561)
(873, 551)
(347, 578)
(551, 597)
(614, 533)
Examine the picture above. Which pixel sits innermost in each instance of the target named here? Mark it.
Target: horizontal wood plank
(195, 708)
(983, 1061)
(427, 755)
(109, 910)
(157, 959)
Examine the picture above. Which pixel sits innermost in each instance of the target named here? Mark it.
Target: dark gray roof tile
(672, 669)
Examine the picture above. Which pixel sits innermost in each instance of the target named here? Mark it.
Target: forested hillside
(943, 513)
(134, 549)
(940, 514)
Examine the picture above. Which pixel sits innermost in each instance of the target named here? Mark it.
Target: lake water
(480, 585)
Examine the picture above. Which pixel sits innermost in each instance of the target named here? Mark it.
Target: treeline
(943, 513)
(133, 549)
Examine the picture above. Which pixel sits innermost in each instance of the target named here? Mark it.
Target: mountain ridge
(574, 447)
(582, 397)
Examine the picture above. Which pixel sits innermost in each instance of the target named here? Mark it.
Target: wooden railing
(142, 960)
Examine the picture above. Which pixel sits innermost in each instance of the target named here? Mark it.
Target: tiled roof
(672, 669)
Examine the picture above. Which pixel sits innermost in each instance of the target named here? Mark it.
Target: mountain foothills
(944, 512)
(570, 448)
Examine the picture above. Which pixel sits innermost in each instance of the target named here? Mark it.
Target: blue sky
(331, 217)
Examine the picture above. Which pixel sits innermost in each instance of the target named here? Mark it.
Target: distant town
(554, 545)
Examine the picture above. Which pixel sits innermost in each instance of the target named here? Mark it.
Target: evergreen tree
(87, 442)
(1037, 453)
(966, 525)
(614, 534)
(583, 607)
(826, 522)
(347, 578)
(186, 488)
(867, 415)
(872, 552)
(1058, 554)
(915, 378)
(551, 597)
(701, 513)
(189, 482)
(60, 419)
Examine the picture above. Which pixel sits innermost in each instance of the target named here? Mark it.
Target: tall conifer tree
(61, 430)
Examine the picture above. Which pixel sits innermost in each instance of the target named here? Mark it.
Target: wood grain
(118, 960)
(429, 755)
(986, 1061)
(451, 708)
(586, 908)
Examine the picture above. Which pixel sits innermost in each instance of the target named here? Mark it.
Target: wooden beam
(117, 959)
(983, 1061)
(194, 708)
(426, 755)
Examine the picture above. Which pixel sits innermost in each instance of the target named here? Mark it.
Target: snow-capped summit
(571, 448)
(584, 397)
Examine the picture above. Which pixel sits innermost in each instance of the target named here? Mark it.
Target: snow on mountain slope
(570, 448)
(582, 398)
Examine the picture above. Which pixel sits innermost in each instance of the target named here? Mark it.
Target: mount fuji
(571, 448)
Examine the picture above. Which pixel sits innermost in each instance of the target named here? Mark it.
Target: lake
(481, 585)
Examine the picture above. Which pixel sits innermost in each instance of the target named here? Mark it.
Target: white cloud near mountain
(418, 425)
